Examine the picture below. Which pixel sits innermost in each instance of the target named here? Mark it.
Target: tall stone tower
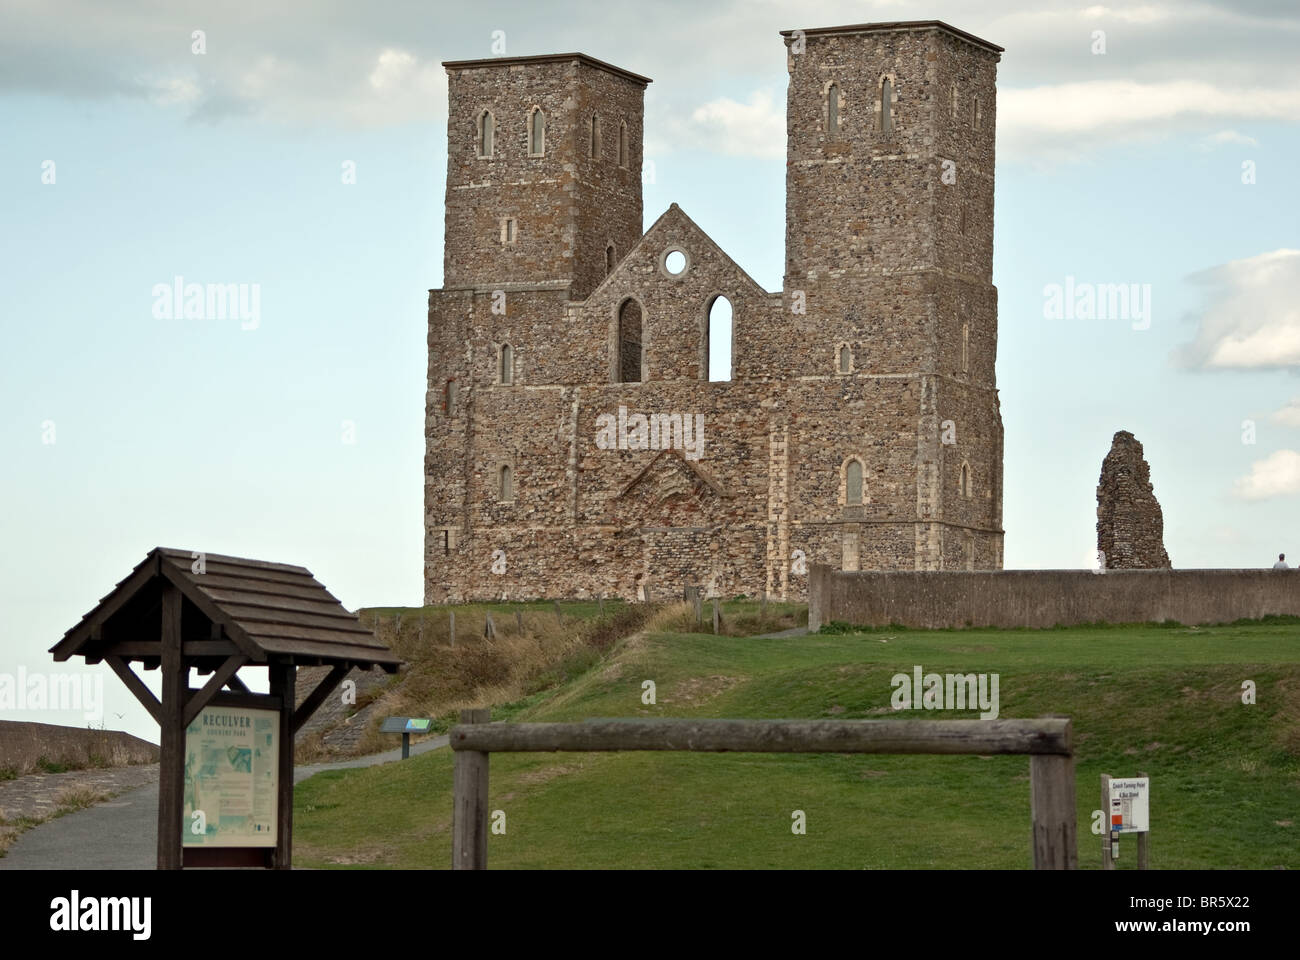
(889, 246)
(543, 198)
(543, 171)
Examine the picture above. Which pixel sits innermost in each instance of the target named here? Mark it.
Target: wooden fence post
(451, 627)
(489, 628)
(469, 813)
(558, 616)
(600, 600)
(699, 607)
(519, 621)
(1106, 862)
(715, 614)
(1142, 839)
(1051, 801)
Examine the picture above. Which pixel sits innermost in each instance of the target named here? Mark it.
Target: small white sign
(1130, 807)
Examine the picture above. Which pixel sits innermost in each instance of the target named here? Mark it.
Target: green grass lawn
(1163, 700)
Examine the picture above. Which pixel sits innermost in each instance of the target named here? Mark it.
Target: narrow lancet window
(537, 134)
(853, 483)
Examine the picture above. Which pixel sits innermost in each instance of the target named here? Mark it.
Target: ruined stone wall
(1130, 525)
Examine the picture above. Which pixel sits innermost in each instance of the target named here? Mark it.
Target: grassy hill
(1163, 700)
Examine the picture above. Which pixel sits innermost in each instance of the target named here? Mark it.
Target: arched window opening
(965, 347)
(845, 358)
(717, 343)
(505, 483)
(487, 125)
(886, 106)
(629, 342)
(853, 483)
(832, 110)
(622, 144)
(537, 134)
(595, 136)
(965, 481)
(506, 370)
(451, 398)
(954, 101)
(609, 260)
(977, 113)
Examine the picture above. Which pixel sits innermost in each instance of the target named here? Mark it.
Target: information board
(1130, 805)
(231, 778)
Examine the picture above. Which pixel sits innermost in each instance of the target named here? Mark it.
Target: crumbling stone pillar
(1130, 526)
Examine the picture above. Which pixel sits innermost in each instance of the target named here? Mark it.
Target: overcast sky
(1138, 143)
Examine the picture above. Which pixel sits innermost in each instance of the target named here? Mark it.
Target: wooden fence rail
(1047, 741)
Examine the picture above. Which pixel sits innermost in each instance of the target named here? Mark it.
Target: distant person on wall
(1281, 562)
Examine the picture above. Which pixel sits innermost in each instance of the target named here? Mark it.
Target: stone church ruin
(860, 425)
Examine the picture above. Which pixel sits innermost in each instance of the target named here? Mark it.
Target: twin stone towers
(575, 443)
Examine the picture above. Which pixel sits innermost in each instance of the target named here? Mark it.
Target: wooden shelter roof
(265, 611)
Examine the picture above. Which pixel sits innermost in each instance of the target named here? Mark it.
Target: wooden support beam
(136, 686)
(237, 685)
(192, 648)
(200, 698)
(469, 814)
(323, 689)
(283, 679)
(1042, 736)
(171, 771)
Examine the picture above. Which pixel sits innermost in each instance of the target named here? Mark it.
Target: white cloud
(1230, 136)
(1062, 116)
(1142, 14)
(1276, 475)
(753, 129)
(1289, 415)
(1252, 318)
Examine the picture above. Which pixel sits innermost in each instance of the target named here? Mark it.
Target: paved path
(122, 833)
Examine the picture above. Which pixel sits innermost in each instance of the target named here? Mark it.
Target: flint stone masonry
(1045, 598)
(885, 255)
(1130, 525)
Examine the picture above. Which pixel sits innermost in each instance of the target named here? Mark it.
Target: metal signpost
(1126, 806)
(406, 726)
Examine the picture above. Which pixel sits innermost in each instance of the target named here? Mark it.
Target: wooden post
(1142, 839)
(283, 678)
(469, 814)
(600, 600)
(421, 633)
(1051, 801)
(699, 607)
(451, 626)
(171, 747)
(1106, 862)
(489, 629)
(558, 616)
(715, 615)
(519, 621)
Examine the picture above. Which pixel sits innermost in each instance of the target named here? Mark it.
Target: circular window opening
(675, 262)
